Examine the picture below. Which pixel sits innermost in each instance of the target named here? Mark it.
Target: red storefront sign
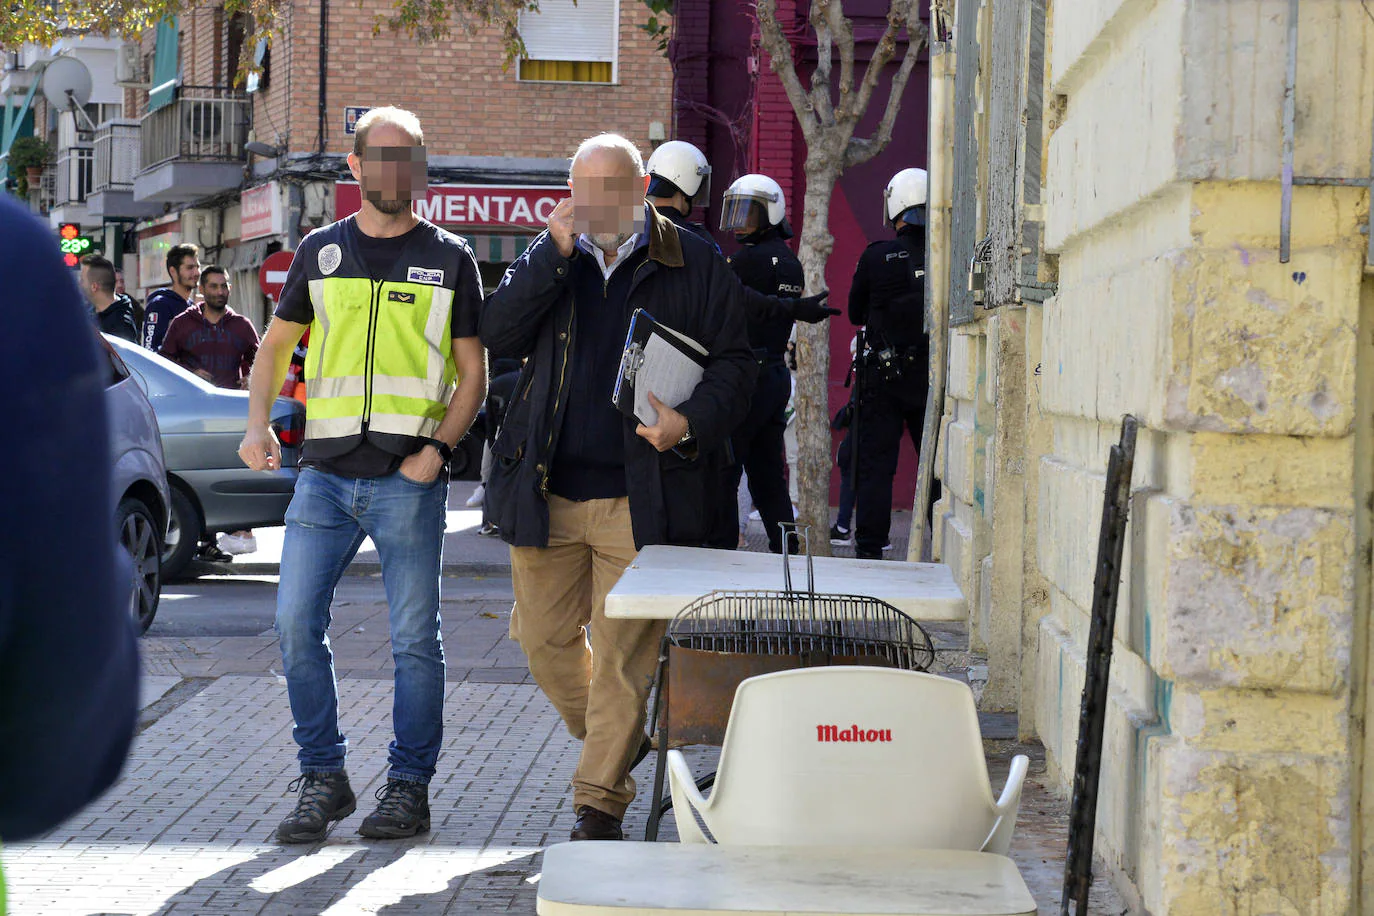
(260, 212)
(471, 206)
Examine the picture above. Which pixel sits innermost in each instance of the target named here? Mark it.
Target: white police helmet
(908, 190)
(745, 195)
(679, 166)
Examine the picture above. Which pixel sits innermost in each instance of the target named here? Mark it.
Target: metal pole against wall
(1290, 86)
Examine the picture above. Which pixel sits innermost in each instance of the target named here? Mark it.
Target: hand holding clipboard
(660, 367)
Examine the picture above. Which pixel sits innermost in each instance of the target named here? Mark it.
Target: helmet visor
(743, 213)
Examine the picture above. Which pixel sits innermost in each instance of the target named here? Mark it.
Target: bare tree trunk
(813, 356)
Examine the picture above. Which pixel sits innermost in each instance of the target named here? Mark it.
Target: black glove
(812, 309)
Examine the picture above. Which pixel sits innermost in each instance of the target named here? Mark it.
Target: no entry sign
(272, 276)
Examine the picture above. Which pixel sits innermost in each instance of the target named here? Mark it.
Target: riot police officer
(678, 175)
(754, 209)
(887, 298)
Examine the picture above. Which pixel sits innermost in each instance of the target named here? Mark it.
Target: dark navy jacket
(162, 306)
(68, 661)
(684, 284)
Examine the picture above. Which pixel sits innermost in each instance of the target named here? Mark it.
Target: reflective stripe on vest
(380, 353)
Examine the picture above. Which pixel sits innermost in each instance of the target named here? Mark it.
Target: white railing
(47, 190)
(75, 170)
(116, 155)
(202, 123)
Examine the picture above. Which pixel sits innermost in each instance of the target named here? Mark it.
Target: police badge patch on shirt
(425, 275)
(330, 258)
(396, 295)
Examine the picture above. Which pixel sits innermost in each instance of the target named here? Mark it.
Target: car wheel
(183, 535)
(139, 537)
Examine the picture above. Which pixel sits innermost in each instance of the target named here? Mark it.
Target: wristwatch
(687, 436)
(445, 450)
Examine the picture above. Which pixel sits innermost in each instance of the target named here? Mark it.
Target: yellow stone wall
(1233, 746)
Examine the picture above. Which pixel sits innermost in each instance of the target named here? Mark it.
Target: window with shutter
(569, 42)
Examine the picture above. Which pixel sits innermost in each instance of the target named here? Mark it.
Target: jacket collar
(665, 246)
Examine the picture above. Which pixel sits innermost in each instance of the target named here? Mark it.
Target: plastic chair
(851, 756)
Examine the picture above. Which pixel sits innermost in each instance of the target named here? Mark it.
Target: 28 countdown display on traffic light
(75, 246)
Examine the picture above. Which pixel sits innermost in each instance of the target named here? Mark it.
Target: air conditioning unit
(129, 70)
(203, 126)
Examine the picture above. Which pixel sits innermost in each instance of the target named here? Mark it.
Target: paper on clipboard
(660, 360)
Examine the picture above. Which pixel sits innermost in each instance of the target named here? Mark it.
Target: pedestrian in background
(113, 315)
(166, 303)
(219, 345)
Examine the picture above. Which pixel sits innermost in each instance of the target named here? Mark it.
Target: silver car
(138, 482)
(202, 426)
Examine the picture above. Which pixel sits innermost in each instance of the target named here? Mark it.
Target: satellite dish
(66, 81)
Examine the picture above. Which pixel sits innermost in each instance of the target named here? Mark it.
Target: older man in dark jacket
(578, 487)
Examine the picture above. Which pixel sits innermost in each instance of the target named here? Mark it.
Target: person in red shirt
(217, 344)
(211, 339)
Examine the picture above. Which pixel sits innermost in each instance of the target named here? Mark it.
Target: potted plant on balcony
(28, 157)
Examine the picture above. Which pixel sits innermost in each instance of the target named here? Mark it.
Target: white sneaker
(236, 544)
(475, 500)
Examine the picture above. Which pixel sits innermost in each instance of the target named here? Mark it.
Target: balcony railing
(47, 190)
(116, 156)
(206, 123)
(75, 171)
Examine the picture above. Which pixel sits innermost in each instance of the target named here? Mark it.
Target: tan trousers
(599, 689)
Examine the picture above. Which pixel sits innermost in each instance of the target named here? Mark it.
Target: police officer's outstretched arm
(68, 658)
(859, 293)
(513, 314)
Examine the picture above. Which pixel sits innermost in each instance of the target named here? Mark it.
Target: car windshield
(160, 375)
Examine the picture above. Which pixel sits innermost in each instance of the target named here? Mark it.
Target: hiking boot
(324, 798)
(402, 811)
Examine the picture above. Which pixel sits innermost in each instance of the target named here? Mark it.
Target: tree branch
(820, 77)
(780, 52)
(863, 149)
(844, 32)
(901, 13)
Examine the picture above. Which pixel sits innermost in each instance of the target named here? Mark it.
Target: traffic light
(75, 246)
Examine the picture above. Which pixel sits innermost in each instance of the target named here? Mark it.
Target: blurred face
(392, 171)
(188, 274)
(608, 197)
(119, 282)
(215, 289)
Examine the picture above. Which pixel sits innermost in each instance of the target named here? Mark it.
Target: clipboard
(660, 359)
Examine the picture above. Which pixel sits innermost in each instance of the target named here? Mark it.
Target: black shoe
(840, 536)
(402, 811)
(324, 798)
(211, 553)
(862, 554)
(593, 824)
(489, 530)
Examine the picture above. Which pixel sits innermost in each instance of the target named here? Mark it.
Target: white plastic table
(663, 580)
(674, 879)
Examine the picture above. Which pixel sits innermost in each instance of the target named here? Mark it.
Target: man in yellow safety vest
(396, 374)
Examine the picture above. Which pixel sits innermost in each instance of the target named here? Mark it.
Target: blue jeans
(328, 519)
